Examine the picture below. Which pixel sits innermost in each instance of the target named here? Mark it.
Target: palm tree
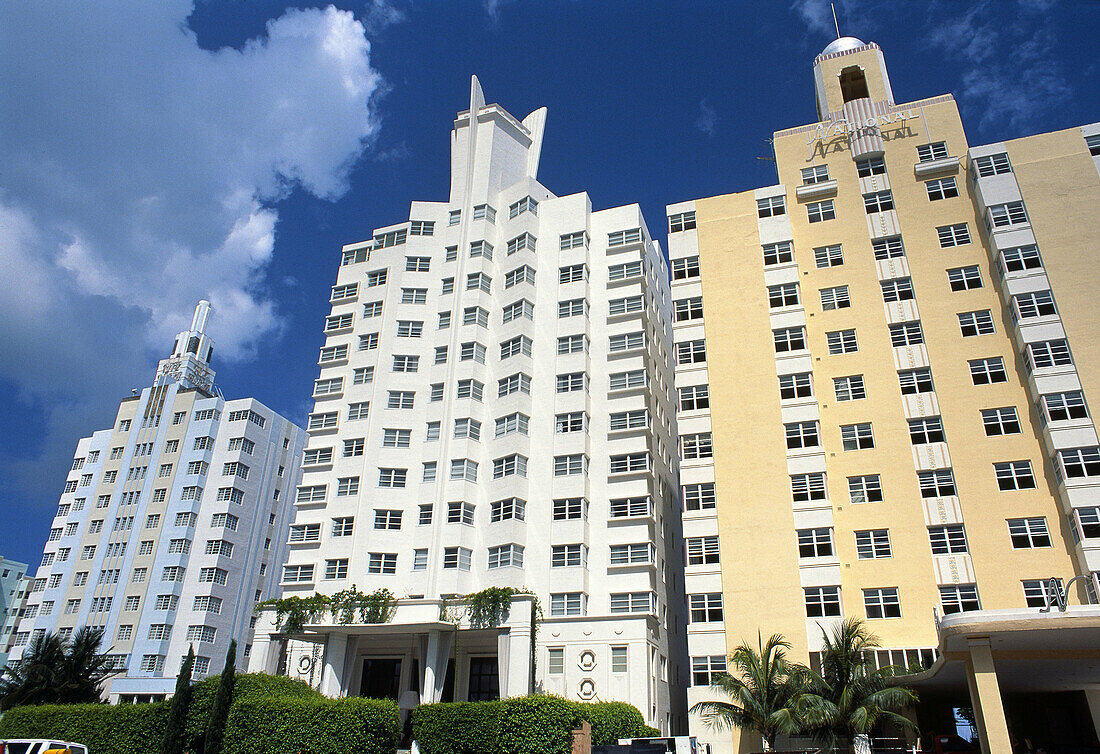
(849, 697)
(764, 692)
(52, 671)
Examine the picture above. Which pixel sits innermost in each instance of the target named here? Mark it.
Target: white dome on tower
(842, 44)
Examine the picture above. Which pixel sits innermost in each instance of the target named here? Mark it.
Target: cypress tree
(175, 732)
(219, 713)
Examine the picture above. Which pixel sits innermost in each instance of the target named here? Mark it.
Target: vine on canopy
(293, 613)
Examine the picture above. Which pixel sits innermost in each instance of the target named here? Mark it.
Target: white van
(40, 746)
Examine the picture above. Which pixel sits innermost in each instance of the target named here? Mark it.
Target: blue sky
(155, 153)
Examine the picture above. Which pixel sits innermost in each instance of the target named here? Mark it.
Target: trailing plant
(293, 613)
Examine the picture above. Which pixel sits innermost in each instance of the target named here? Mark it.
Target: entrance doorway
(484, 679)
(381, 678)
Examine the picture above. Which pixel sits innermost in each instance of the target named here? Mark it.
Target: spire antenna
(835, 24)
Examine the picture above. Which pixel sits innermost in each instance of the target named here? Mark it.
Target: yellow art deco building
(887, 367)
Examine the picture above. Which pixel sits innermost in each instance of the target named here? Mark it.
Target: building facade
(494, 410)
(14, 584)
(171, 526)
(885, 369)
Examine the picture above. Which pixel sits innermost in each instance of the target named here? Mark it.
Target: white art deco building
(171, 526)
(494, 409)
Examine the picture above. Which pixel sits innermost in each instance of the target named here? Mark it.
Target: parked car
(40, 746)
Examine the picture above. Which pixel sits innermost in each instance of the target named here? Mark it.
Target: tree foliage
(175, 732)
(53, 671)
(223, 698)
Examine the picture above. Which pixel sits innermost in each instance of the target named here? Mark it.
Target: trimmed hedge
(325, 726)
(524, 725)
(104, 729)
(270, 714)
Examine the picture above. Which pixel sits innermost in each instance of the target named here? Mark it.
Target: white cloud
(139, 173)
(707, 122)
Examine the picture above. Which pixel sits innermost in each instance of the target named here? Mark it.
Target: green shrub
(312, 726)
(537, 725)
(245, 686)
(611, 721)
(104, 729)
(458, 728)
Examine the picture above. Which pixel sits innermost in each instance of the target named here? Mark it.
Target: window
(849, 388)
(976, 323)
(1000, 421)
(305, 533)
(935, 151)
(1093, 144)
(568, 556)
(576, 307)
(869, 166)
(1064, 406)
(632, 554)
(526, 204)
(771, 206)
(706, 670)
(686, 309)
(942, 188)
(681, 222)
(636, 419)
(878, 201)
(795, 385)
(626, 305)
(361, 376)
(683, 268)
(1020, 259)
(872, 544)
(802, 435)
(1005, 215)
(572, 343)
(987, 371)
(822, 601)
(1048, 353)
(627, 380)
(897, 289)
(702, 550)
(568, 603)
(572, 382)
(627, 342)
(479, 281)
(815, 543)
(691, 351)
(882, 603)
(518, 345)
(317, 456)
(414, 295)
(354, 447)
(1038, 593)
(694, 397)
(948, 539)
(789, 339)
(705, 608)
(508, 508)
(835, 298)
(457, 558)
(957, 598)
(152, 663)
(570, 422)
(624, 271)
(630, 507)
(820, 211)
(336, 569)
(213, 576)
(699, 497)
(1088, 522)
(574, 273)
(783, 295)
(575, 240)
(383, 519)
(511, 424)
(1014, 475)
(990, 165)
(889, 247)
(515, 383)
(400, 399)
(521, 308)
(1078, 463)
(385, 563)
(570, 465)
(924, 431)
(418, 264)
(776, 253)
(481, 249)
(938, 483)
(570, 508)
(630, 462)
(503, 556)
(865, 489)
(856, 436)
(906, 334)
(806, 487)
(624, 237)
(407, 328)
(392, 477)
(828, 256)
(463, 469)
(815, 174)
(510, 465)
(841, 342)
(1036, 304)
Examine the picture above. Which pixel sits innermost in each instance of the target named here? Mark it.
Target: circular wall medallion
(587, 689)
(587, 660)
